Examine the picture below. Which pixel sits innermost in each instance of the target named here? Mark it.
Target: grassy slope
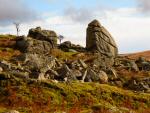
(73, 98)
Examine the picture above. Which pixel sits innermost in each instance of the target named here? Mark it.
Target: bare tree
(60, 37)
(17, 25)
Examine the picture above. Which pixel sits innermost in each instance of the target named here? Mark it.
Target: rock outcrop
(38, 41)
(36, 48)
(46, 35)
(99, 39)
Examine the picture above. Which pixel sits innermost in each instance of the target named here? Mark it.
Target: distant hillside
(145, 54)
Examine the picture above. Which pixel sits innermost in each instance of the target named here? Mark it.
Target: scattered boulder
(103, 77)
(143, 64)
(41, 77)
(67, 46)
(133, 66)
(139, 84)
(112, 74)
(77, 73)
(38, 62)
(52, 74)
(66, 73)
(82, 63)
(91, 76)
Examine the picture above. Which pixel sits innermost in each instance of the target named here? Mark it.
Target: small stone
(82, 63)
(41, 77)
(103, 77)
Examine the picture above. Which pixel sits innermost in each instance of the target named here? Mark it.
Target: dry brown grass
(145, 54)
(7, 43)
(127, 74)
(7, 47)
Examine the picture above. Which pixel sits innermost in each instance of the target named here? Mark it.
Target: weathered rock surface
(38, 41)
(46, 35)
(69, 47)
(99, 40)
(37, 61)
(91, 76)
(142, 84)
(67, 74)
(35, 48)
(143, 64)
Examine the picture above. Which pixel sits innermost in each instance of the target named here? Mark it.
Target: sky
(127, 20)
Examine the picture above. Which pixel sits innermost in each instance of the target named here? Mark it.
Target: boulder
(41, 77)
(30, 45)
(103, 77)
(139, 84)
(112, 74)
(69, 47)
(77, 73)
(36, 63)
(91, 76)
(99, 40)
(38, 41)
(82, 63)
(66, 73)
(133, 66)
(143, 64)
(52, 74)
(65, 45)
(44, 35)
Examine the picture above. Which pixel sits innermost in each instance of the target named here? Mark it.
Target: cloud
(84, 15)
(15, 10)
(79, 15)
(131, 32)
(144, 5)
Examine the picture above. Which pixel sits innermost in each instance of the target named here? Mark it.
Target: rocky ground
(37, 75)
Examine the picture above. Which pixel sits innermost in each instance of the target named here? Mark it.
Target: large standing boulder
(99, 39)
